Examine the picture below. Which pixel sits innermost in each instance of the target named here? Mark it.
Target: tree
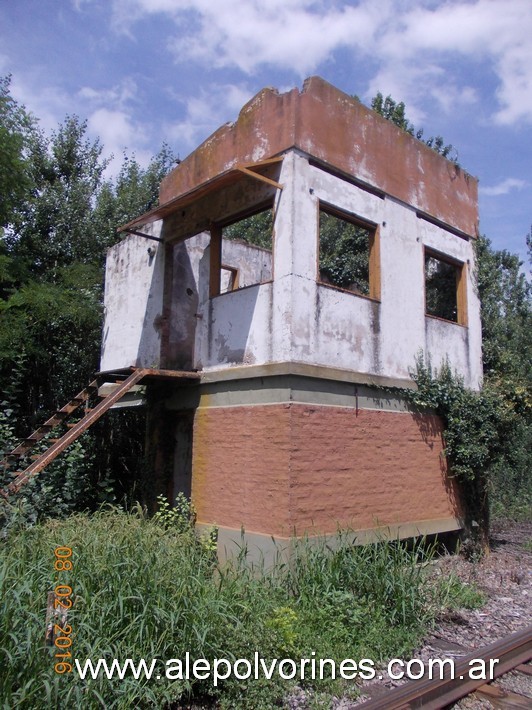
(507, 355)
(396, 113)
(56, 243)
(134, 191)
(343, 253)
(52, 256)
(53, 229)
(256, 229)
(52, 308)
(16, 125)
(505, 309)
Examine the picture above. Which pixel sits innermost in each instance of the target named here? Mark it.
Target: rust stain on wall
(363, 145)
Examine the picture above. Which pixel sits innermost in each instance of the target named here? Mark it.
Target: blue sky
(146, 71)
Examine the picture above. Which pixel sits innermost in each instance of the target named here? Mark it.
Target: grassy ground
(148, 589)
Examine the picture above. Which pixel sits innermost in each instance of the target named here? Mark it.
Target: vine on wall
(477, 428)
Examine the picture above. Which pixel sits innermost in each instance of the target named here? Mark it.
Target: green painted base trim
(261, 548)
(305, 370)
(286, 389)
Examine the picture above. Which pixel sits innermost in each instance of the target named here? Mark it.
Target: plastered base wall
(285, 469)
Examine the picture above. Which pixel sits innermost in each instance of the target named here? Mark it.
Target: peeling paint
(159, 312)
(293, 318)
(362, 144)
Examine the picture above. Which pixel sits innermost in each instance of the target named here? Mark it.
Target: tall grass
(143, 590)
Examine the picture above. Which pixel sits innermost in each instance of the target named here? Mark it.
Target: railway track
(513, 653)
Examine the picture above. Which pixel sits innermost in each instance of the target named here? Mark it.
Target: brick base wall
(287, 469)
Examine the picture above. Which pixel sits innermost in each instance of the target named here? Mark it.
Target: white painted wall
(293, 318)
(134, 280)
(345, 330)
(228, 329)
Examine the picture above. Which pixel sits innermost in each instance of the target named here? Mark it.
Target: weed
(148, 588)
(452, 593)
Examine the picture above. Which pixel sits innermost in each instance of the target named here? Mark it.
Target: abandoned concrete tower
(300, 260)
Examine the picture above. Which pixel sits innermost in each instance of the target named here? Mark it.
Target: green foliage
(452, 594)
(488, 435)
(440, 288)
(134, 191)
(396, 113)
(359, 599)
(16, 126)
(52, 252)
(392, 111)
(344, 253)
(506, 314)
(256, 229)
(53, 262)
(180, 517)
(53, 228)
(486, 438)
(507, 354)
(52, 306)
(142, 589)
(62, 489)
(471, 419)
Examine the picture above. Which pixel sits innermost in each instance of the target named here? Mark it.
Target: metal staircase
(90, 415)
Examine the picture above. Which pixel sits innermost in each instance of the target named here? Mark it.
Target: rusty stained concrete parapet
(338, 130)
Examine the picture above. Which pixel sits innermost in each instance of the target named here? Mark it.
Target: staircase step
(91, 415)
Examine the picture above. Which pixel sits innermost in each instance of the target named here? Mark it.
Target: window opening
(348, 254)
(256, 230)
(228, 279)
(241, 252)
(444, 288)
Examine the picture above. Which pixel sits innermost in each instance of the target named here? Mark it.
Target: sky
(144, 72)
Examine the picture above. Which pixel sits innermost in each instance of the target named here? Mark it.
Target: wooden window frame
(233, 279)
(374, 261)
(460, 268)
(215, 260)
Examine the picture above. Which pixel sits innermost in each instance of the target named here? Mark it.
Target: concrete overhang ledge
(337, 130)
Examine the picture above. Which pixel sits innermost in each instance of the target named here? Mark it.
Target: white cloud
(250, 35)
(503, 187)
(418, 47)
(48, 103)
(494, 32)
(515, 90)
(299, 34)
(110, 113)
(119, 133)
(205, 112)
(117, 96)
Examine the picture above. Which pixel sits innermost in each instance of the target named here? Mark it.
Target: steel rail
(437, 693)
